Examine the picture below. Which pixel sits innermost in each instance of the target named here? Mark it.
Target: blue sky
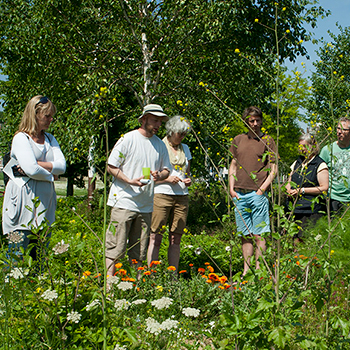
(340, 11)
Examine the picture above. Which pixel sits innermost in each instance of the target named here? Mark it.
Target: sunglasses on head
(43, 100)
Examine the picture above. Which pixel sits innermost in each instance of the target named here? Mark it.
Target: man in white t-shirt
(131, 195)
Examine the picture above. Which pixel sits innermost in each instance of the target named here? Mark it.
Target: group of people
(151, 179)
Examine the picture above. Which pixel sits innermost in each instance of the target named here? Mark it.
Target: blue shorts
(252, 213)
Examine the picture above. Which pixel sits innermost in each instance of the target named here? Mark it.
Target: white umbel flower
(121, 304)
(125, 285)
(49, 295)
(169, 324)
(191, 311)
(15, 237)
(60, 247)
(153, 326)
(18, 273)
(139, 301)
(91, 305)
(74, 316)
(162, 303)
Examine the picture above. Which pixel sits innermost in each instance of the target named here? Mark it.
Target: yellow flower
(185, 230)
(160, 288)
(237, 51)
(301, 41)
(287, 31)
(201, 84)
(256, 20)
(335, 72)
(329, 129)
(179, 102)
(75, 149)
(284, 8)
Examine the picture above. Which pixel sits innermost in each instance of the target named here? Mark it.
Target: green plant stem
(104, 247)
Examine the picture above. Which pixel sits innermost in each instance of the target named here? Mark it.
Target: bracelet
(303, 190)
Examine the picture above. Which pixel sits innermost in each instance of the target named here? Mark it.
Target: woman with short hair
(171, 195)
(308, 180)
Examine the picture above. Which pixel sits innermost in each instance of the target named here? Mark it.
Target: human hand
(156, 175)
(137, 182)
(173, 179)
(294, 192)
(259, 192)
(187, 182)
(234, 194)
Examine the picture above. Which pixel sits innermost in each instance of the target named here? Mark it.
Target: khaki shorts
(173, 207)
(131, 234)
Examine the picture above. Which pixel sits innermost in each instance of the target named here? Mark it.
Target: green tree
(331, 82)
(101, 61)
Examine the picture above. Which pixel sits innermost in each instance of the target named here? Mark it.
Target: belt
(242, 190)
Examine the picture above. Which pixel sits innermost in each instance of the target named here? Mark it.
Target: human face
(43, 120)
(151, 124)
(343, 133)
(304, 148)
(177, 138)
(254, 123)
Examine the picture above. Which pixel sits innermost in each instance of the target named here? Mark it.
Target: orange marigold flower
(155, 262)
(171, 268)
(234, 288)
(298, 263)
(122, 272)
(206, 263)
(140, 268)
(210, 268)
(201, 270)
(154, 271)
(221, 287)
(131, 279)
(86, 273)
(134, 261)
(191, 265)
(138, 289)
(118, 265)
(214, 277)
(182, 271)
(204, 276)
(223, 279)
(98, 275)
(147, 273)
(227, 286)
(209, 281)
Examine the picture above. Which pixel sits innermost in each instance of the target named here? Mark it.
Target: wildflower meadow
(60, 303)
(207, 61)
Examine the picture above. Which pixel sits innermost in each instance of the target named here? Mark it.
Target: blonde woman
(38, 160)
(308, 180)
